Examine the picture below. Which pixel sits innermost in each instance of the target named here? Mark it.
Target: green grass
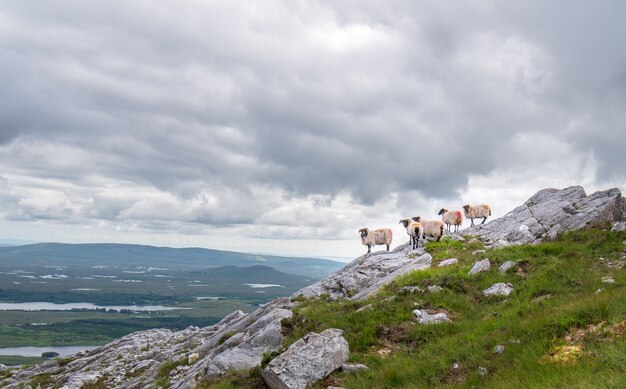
(14, 360)
(555, 296)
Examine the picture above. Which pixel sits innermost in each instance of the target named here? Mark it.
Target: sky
(285, 126)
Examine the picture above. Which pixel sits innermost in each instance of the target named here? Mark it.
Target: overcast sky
(285, 126)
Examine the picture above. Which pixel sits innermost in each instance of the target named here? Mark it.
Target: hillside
(416, 318)
(129, 255)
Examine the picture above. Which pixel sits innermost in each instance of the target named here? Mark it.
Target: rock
(476, 252)
(455, 365)
(365, 308)
(353, 367)
(423, 317)
(435, 288)
(365, 275)
(3, 367)
(473, 240)
(619, 226)
(500, 243)
(480, 266)
(506, 266)
(499, 289)
(608, 280)
(448, 262)
(237, 341)
(550, 212)
(309, 359)
(410, 289)
(192, 358)
(499, 349)
(482, 371)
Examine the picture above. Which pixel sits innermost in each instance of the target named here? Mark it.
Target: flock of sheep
(418, 227)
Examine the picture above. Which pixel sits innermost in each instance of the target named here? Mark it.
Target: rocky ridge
(550, 212)
(239, 341)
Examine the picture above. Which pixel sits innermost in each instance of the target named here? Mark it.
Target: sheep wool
(414, 229)
(381, 236)
(476, 212)
(433, 228)
(451, 218)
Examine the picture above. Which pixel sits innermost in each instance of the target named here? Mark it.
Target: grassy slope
(555, 296)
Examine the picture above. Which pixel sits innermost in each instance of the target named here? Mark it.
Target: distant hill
(107, 254)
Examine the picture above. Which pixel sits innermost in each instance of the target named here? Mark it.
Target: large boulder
(550, 212)
(309, 359)
(369, 273)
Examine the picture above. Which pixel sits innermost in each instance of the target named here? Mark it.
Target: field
(563, 326)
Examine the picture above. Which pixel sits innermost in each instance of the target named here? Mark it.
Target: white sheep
(476, 212)
(376, 237)
(432, 228)
(451, 218)
(414, 229)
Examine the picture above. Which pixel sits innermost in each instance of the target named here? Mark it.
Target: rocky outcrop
(309, 359)
(237, 342)
(499, 289)
(369, 273)
(549, 213)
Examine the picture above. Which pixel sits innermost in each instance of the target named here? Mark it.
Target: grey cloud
(306, 98)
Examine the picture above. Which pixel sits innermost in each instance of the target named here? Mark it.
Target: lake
(28, 351)
(44, 306)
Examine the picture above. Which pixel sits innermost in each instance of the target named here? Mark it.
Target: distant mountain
(107, 254)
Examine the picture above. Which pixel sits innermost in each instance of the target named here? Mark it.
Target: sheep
(451, 218)
(414, 229)
(432, 228)
(476, 212)
(376, 237)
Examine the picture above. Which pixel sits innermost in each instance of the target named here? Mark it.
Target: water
(44, 306)
(29, 351)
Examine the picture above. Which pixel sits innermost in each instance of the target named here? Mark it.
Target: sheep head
(466, 207)
(364, 232)
(405, 222)
(416, 218)
(442, 211)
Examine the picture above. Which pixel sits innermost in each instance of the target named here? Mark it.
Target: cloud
(295, 120)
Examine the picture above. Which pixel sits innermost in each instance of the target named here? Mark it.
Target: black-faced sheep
(433, 228)
(414, 229)
(451, 218)
(476, 212)
(376, 237)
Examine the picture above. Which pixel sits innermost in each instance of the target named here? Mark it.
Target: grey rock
(506, 266)
(365, 308)
(435, 288)
(550, 212)
(368, 273)
(3, 367)
(309, 359)
(353, 367)
(476, 252)
(482, 371)
(499, 349)
(423, 317)
(480, 266)
(237, 341)
(448, 262)
(619, 226)
(499, 289)
(500, 243)
(608, 280)
(410, 289)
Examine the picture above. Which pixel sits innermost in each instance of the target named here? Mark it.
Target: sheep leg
(369, 248)
(484, 219)
(472, 221)
(387, 247)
